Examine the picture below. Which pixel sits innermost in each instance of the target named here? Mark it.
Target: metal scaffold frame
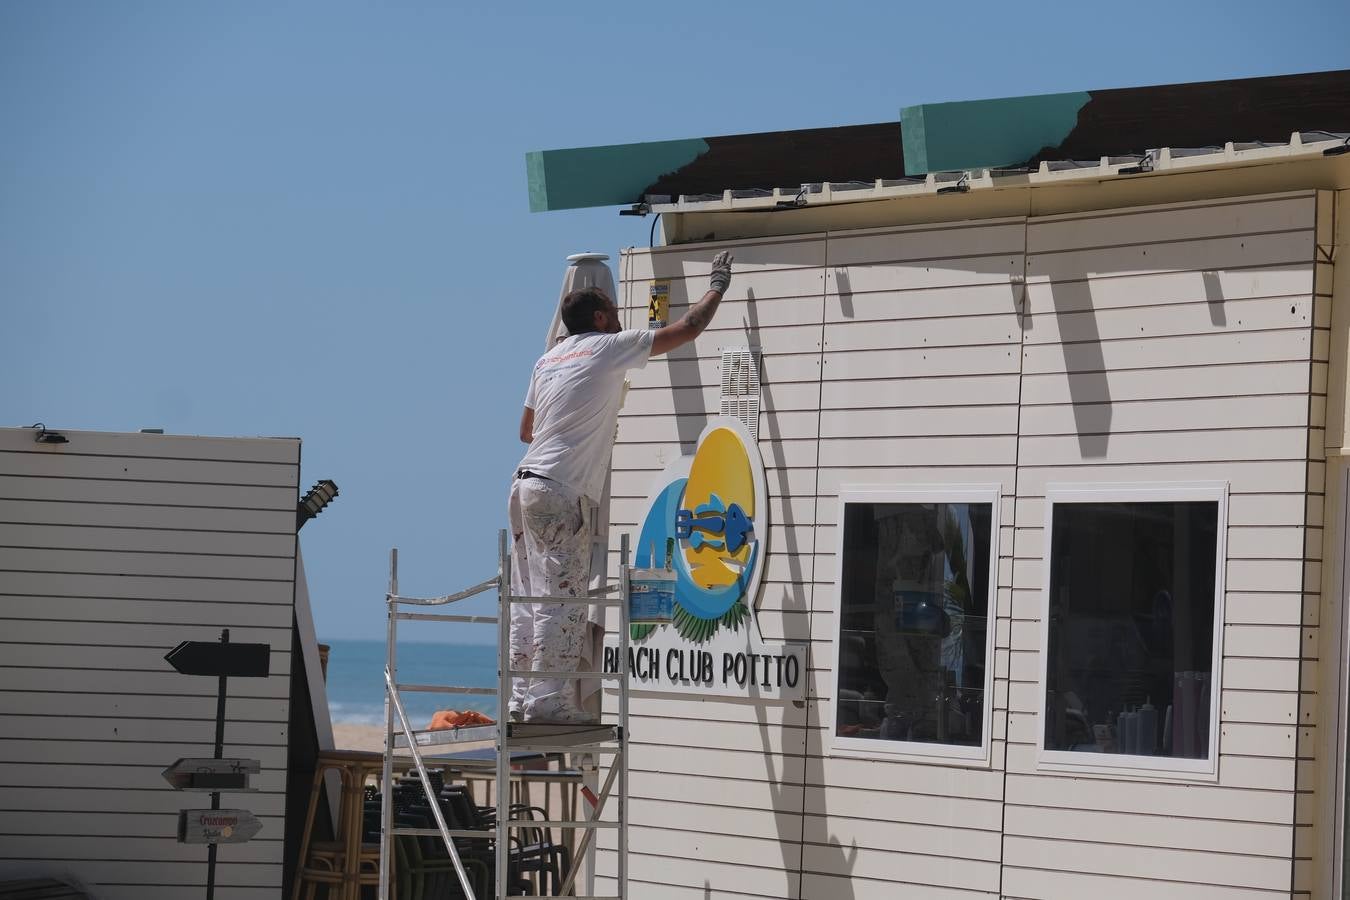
(600, 740)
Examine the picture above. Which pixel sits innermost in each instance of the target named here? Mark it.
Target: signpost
(215, 825)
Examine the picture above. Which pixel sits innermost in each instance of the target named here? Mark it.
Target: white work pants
(551, 556)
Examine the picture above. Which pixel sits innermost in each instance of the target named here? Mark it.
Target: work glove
(721, 272)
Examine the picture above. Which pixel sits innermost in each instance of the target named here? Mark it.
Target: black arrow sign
(223, 659)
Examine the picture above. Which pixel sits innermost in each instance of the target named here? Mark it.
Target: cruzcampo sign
(216, 826)
(707, 522)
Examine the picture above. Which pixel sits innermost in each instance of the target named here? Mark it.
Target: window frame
(916, 751)
(1206, 769)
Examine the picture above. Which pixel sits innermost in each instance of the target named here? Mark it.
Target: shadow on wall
(1084, 363)
(844, 288)
(793, 601)
(1214, 297)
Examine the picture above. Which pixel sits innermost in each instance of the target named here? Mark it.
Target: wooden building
(114, 548)
(1055, 460)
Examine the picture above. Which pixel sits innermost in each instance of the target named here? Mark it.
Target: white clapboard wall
(1178, 343)
(723, 783)
(113, 549)
(1157, 344)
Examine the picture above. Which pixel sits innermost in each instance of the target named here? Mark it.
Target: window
(1132, 602)
(916, 578)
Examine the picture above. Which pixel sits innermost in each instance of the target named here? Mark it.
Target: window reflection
(914, 601)
(1131, 628)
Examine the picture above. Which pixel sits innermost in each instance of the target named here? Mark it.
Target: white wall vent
(740, 386)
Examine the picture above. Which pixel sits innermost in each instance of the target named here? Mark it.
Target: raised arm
(692, 323)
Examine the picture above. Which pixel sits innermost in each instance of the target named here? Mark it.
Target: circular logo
(706, 520)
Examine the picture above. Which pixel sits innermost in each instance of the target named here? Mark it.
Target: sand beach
(358, 736)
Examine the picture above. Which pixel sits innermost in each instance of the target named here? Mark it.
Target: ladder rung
(447, 598)
(556, 823)
(564, 748)
(446, 689)
(436, 832)
(538, 673)
(438, 617)
(574, 601)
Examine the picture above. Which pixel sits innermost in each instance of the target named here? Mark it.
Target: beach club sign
(706, 522)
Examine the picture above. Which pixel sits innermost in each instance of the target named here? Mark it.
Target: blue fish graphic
(714, 518)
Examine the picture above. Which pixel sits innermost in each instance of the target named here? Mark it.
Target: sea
(356, 679)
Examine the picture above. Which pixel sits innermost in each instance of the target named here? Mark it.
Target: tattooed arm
(691, 325)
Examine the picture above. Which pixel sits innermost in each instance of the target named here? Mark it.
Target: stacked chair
(424, 870)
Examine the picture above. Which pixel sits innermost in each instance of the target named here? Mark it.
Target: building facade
(1056, 509)
(116, 548)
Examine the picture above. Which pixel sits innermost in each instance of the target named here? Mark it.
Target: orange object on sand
(453, 718)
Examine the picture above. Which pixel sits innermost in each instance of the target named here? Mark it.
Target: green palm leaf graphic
(698, 631)
(733, 617)
(689, 627)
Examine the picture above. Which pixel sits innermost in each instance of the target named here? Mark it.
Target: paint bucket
(651, 596)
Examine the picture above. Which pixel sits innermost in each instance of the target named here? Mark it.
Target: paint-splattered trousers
(551, 555)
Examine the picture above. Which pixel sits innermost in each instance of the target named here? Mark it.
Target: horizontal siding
(938, 378)
(108, 539)
(158, 849)
(229, 871)
(117, 679)
(148, 493)
(180, 519)
(1048, 884)
(244, 590)
(73, 464)
(1114, 858)
(738, 770)
(1150, 257)
(658, 875)
(175, 892)
(1170, 345)
(113, 549)
(1179, 343)
(134, 753)
(1247, 215)
(1311, 804)
(922, 357)
(1186, 379)
(133, 610)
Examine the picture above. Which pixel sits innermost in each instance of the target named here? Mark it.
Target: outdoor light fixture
(640, 208)
(1342, 148)
(313, 503)
(48, 437)
(796, 202)
(962, 185)
(1144, 165)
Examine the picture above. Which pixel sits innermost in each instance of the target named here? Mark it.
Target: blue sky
(285, 218)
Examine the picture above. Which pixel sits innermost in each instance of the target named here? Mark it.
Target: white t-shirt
(575, 393)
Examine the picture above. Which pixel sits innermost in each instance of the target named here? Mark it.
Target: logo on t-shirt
(563, 357)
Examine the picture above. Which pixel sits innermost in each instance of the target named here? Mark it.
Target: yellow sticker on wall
(658, 304)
